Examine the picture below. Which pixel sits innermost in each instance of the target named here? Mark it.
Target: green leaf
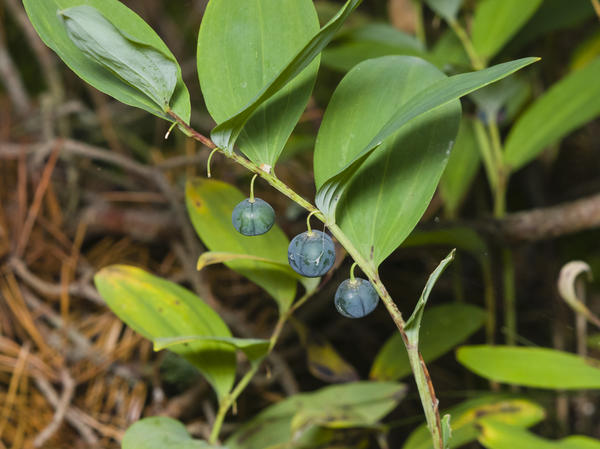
(210, 203)
(160, 432)
(254, 348)
(461, 168)
(552, 15)
(495, 22)
(215, 257)
(252, 41)
(446, 431)
(227, 132)
(497, 435)
(389, 193)
(514, 411)
(365, 403)
(340, 152)
(157, 308)
(447, 9)
(139, 65)
(413, 324)
(531, 367)
(443, 328)
(569, 104)
(370, 41)
(128, 37)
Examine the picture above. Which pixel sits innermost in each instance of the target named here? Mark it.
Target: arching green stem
(208, 161)
(308, 222)
(352, 279)
(168, 133)
(252, 189)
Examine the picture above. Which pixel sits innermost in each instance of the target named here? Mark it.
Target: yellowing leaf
(157, 308)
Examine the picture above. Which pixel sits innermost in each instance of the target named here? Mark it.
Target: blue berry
(311, 253)
(356, 298)
(253, 217)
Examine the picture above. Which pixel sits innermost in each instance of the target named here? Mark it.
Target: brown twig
(62, 406)
(53, 290)
(13, 386)
(73, 417)
(12, 81)
(37, 200)
(550, 222)
(44, 56)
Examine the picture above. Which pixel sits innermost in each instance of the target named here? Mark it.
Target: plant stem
(228, 401)
(421, 375)
(252, 188)
(508, 265)
(419, 369)
(267, 176)
(490, 301)
(510, 299)
(485, 149)
(419, 25)
(460, 32)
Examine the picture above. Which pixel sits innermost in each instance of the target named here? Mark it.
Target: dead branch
(61, 409)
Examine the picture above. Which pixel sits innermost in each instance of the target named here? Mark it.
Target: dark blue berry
(356, 298)
(311, 253)
(253, 217)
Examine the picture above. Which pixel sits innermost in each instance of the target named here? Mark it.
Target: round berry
(253, 217)
(356, 298)
(311, 253)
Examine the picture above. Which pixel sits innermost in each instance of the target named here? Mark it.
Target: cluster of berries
(310, 254)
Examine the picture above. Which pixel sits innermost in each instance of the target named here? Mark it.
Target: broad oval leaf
(498, 435)
(531, 367)
(443, 328)
(160, 432)
(338, 167)
(134, 41)
(461, 169)
(139, 65)
(252, 40)
(209, 204)
(281, 71)
(364, 402)
(495, 22)
(569, 104)
(390, 192)
(466, 418)
(157, 308)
